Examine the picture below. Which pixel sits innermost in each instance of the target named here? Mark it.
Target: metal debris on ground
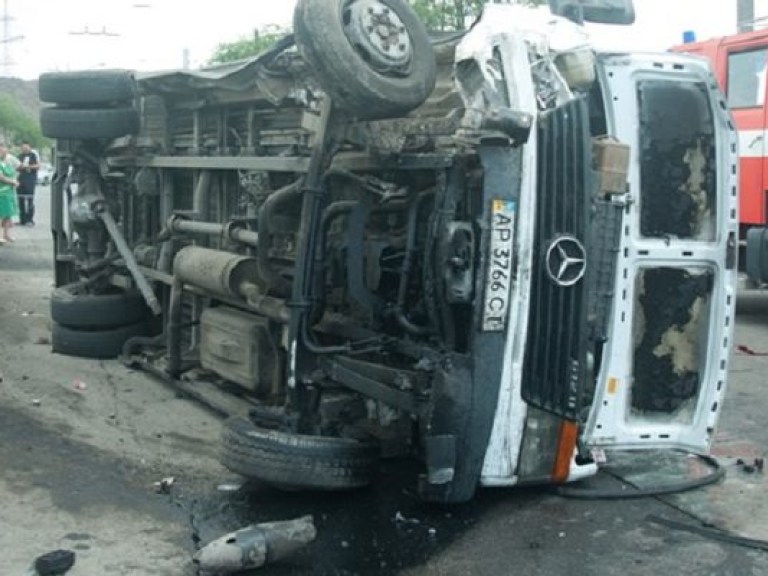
(400, 519)
(79, 384)
(164, 485)
(750, 468)
(749, 351)
(229, 487)
(255, 546)
(54, 563)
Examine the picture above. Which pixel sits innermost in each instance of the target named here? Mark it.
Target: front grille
(555, 361)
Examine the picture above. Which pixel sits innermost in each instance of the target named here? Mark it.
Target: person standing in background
(8, 184)
(27, 169)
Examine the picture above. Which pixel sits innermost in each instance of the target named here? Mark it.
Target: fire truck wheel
(76, 123)
(87, 87)
(297, 461)
(73, 307)
(373, 58)
(106, 343)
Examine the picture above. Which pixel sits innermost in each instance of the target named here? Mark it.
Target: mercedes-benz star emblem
(566, 261)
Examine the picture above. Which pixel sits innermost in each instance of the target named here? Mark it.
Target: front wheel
(374, 58)
(297, 461)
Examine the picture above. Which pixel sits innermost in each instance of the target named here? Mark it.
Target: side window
(746, 78)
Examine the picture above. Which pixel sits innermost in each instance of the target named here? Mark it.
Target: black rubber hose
(405, 274)
(718, 473)
(133, 344)
(710, 532)
(269, 275)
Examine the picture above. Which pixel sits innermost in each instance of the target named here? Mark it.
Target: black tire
(74, 123)
(297, 461)
(107, 343)
(345, 75)
(87, 87)
(72, 307)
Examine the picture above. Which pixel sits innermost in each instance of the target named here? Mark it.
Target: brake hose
(717, 474)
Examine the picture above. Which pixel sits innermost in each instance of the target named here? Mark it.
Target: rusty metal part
(130, 261)
(228, 276)
(255, 546)
(231, 231)
(379, 35)
(174, 329)
(217, 272)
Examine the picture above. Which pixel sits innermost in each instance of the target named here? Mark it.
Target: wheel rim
(379, 36)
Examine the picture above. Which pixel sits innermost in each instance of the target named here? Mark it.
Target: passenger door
(662, 372)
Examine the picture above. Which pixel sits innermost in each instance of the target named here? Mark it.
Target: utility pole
(6, 39)
(745, 15)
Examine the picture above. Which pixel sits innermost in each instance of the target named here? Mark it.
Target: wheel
(297, 461)
(75, 123)
(72, 307)
(87, 87)
(372, 57)
(105, 343)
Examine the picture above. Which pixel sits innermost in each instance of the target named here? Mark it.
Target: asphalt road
(83, 442)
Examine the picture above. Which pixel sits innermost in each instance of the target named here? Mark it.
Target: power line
(6, 40)
(86, 32)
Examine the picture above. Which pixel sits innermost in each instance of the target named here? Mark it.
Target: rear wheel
(87, 87)
(104, 343)
(374, 58)
(76, 123)
(73, 307)
(297, 461)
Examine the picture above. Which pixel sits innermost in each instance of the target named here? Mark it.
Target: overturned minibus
(493, 251)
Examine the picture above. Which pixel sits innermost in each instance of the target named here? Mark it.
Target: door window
(746, 78)
(678, 161)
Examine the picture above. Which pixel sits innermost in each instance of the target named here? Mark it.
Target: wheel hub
(379, 34)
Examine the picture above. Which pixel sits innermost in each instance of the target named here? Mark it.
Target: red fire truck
(740, 62)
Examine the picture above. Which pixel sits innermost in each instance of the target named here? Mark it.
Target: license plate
(499, 280)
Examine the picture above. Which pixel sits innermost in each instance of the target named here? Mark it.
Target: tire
(87, 87)
(74, 123)
(296, 461)
(73, 308)
(345, 74)
(107, 343)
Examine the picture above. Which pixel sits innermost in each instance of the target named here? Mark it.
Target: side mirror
(598, 11)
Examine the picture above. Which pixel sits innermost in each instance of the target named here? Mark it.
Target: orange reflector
(613, 385)
(566, 445)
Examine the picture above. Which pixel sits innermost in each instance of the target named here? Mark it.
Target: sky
(156, 34)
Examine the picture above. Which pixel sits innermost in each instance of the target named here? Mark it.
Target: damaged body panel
(469, 279)
(666, 357)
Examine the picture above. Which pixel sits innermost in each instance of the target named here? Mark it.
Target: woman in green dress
(8, 203)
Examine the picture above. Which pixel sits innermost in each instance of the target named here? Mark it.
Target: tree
(262, 39)
(16, 125)
(436, 15)
(453, 14)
